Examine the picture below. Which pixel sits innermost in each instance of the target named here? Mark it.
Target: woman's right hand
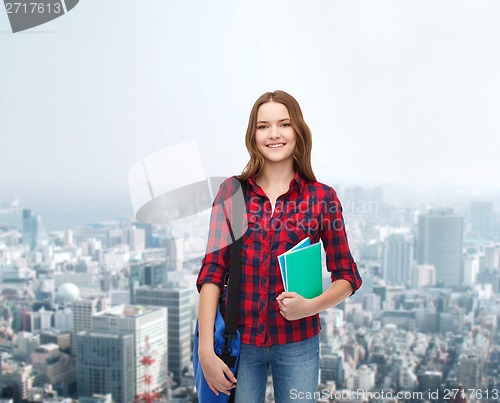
(217, 374)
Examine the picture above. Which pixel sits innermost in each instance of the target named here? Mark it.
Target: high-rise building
(173, 260)
(115, 237)
(63, 319)
(179, 303)
(440, 243)
(471, 269)
(332, 369)
(491, 258)
(407, 379)
(31, 228)
(148, 234)
(469, 371)
(26, 344)
(150, 273)
(119, 297)
(398, 258)
(106, 363)
(17, 378)
(83, 309)
(490, 277)
(30, 321)
(481, 216)
(143, 323)
(136, 238)
(45, 318)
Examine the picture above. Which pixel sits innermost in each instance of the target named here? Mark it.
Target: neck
(276, 174)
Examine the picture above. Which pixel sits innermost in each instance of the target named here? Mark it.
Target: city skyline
(60, 214)
(408, 329)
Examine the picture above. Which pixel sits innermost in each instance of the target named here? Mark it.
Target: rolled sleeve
(339, 260)
(211, 273)
(214, 265)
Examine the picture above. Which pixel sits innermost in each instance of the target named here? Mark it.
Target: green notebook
(303, 271)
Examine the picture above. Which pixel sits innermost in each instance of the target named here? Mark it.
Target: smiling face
(267, 112)
(274, 135)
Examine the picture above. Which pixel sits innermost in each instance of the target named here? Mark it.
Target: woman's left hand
(294, 306)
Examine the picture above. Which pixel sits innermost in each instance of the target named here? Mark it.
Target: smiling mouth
(277, 145)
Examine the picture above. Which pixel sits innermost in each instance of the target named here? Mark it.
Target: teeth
(275, 145)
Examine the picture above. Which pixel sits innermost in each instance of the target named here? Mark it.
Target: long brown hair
(303, 142)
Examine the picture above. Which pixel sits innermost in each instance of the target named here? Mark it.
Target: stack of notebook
(301, 269)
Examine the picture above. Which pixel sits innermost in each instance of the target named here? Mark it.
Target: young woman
(284, 203)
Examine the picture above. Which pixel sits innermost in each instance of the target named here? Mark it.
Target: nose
(274, 132)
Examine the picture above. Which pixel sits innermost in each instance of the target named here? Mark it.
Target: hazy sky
(393, 90)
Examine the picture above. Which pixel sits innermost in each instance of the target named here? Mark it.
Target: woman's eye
(261, 127)
(286, 125)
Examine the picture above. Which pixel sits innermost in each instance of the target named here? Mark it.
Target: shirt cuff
(212, 275)
(355, 283)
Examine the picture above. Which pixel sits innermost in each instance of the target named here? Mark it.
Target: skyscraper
(332, 368)
(469, 370)
(398, 258)
(142, 322)
(106, 363)
(173, 262)
(179, 303)
(481, 216)
(136, 238)
(150, 273)
(83, 309)
(440, 243)
(148, 234)
(30, 228)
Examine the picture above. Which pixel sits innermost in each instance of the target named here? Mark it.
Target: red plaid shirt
(307, 209)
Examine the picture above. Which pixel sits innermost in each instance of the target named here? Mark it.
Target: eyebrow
(265, 121)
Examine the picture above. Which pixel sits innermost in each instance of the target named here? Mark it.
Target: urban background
(109, 308)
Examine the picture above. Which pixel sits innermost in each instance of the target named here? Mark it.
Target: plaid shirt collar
(297, 180)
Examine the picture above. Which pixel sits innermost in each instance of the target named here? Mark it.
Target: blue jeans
(294, 368)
